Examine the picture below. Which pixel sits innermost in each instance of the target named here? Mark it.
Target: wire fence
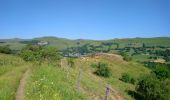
(91, 85)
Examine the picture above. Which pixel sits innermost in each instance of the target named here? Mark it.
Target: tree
(117, 45)
(109, 44)
(143, 45)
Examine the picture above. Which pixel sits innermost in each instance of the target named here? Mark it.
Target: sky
(84, 19)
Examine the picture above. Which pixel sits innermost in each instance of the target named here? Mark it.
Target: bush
(126, 78)
(38, 53)
(94, 65)
(132, 81)
(103, 70)
(150, 88)
(5, 49)
(162, 73)
(127, 58)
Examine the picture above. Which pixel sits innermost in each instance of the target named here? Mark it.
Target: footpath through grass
(11, 71)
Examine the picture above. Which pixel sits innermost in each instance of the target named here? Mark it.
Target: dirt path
(21, 88)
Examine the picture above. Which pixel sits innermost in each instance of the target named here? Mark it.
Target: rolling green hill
(62, 43)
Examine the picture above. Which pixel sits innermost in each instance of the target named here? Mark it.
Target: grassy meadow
(51, 78)
(51, 82)
(11, 71)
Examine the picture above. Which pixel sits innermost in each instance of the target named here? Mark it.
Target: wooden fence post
(78, 81)
(68, 72)
(107, 92)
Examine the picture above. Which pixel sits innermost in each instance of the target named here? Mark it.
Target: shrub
(93, 65)
(5, 49)
(126, 78)
(127, 58)
(37, 53)
(162, 73)
(103, 70)
(150, 88)
(132, 81)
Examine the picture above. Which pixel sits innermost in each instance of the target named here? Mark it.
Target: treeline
(89, 48)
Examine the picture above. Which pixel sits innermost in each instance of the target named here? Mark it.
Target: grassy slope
(50, 82)
(118, 67)
(11, 70)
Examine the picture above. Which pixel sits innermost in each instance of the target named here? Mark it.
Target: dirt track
(21, 88)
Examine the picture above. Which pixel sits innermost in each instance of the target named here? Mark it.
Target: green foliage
(71, 61)
(38, 53)
(103, 70)
(126, 78)
(167, 58)
(162, 73)
(31, 53)
(150, 88)
(50, 54)
(94, 65)
(125, 56)
(5, 49)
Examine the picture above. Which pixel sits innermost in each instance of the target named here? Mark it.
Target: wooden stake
(78, 81)
(107, 92)
(68, 72)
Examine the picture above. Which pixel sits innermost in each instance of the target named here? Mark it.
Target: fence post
(107, 92)
(78, 81)
(68, 72)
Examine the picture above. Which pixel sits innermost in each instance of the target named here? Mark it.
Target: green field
(49, 81)
(62, 43)
(51, 78)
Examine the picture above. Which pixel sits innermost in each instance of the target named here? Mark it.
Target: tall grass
(8, 62)
(11, 71)
(49, 83)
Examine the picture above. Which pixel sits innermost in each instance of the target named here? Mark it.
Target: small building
(43, 43)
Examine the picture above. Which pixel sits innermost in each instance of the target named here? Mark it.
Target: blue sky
(85, 19)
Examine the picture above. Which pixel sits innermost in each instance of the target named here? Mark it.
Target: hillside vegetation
(62, 43)
(51, 82)
(63, 69)
(11, 71)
